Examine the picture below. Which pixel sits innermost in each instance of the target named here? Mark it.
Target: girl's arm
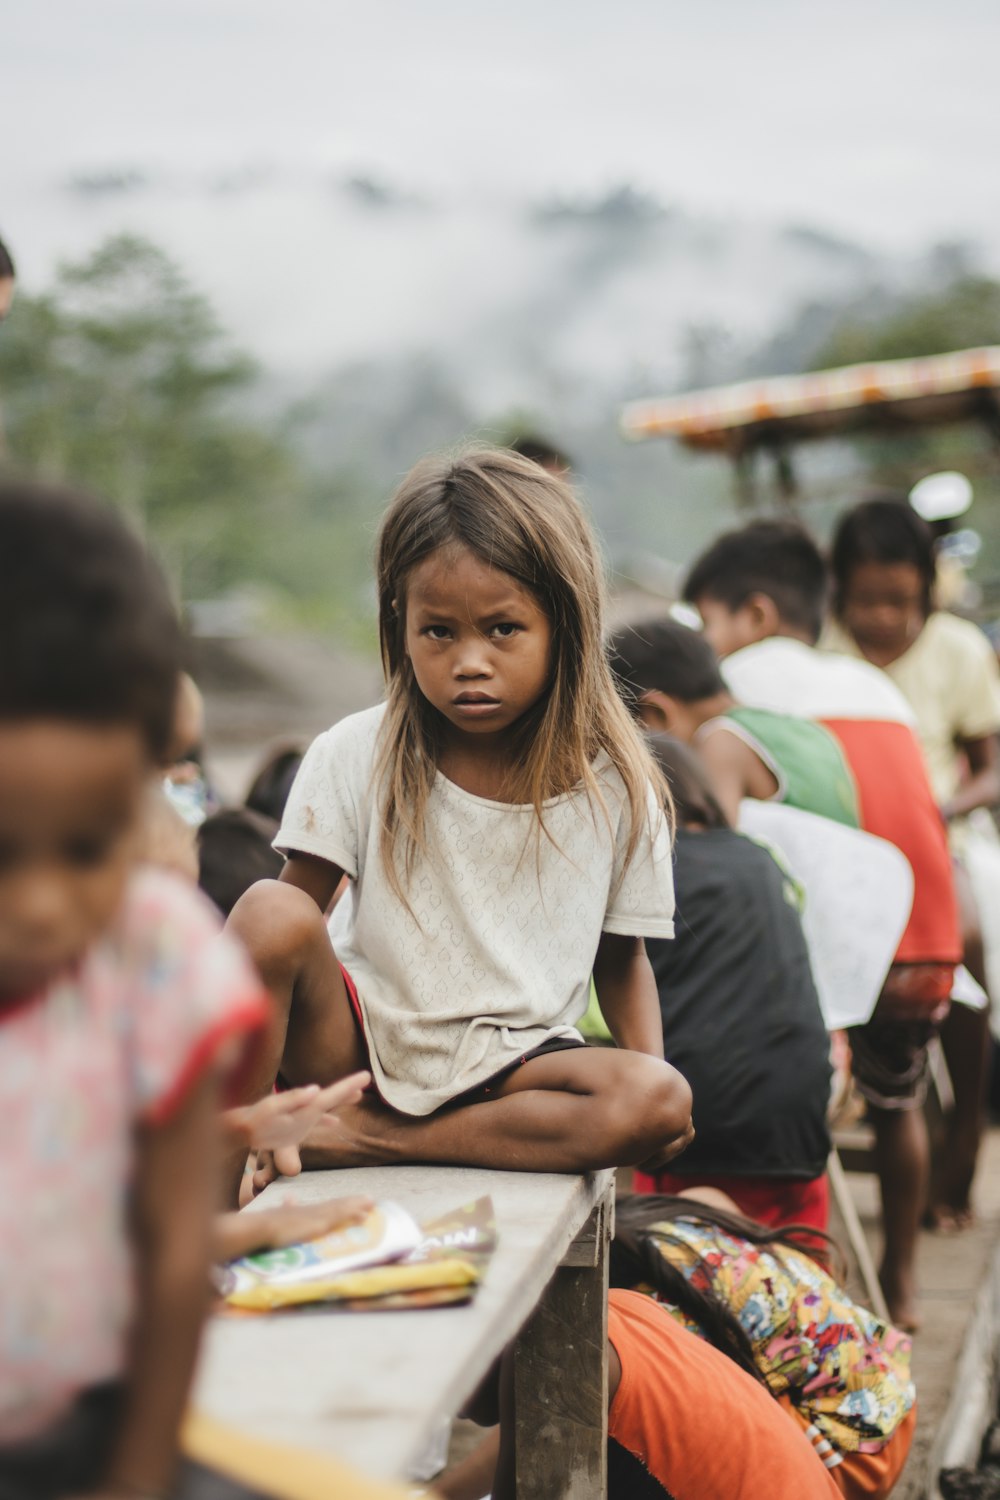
(176, 1185)
(982, 789)
(317, 877)
(627, 994)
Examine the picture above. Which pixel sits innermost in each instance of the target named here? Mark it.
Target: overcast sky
(875, 118)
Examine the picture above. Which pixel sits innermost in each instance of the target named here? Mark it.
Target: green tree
(121, 380)
(965, 315)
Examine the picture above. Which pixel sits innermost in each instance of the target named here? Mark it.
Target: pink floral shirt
(114, 1045)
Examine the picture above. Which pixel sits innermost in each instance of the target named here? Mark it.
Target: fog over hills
(404, 318)
(517, 298)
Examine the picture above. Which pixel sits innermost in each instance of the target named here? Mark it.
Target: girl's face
(70, 801)
(883, 607)
(480, 644)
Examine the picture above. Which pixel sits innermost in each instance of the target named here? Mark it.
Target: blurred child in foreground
(121, 1008)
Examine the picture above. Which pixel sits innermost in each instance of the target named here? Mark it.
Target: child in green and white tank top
(671, 677)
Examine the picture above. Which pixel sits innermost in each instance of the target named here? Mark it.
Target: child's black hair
(882, 529)
(664, 656)
(272, 781)
(7, 271)
(694, 799)
(776, 558)
(642, 1224)
(88, 629)
(234, 852)
(540, 451)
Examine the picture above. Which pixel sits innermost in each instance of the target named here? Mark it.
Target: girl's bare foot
(901, 1298)
(947, 1219)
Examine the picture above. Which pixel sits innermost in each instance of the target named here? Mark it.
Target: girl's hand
(283, 1120)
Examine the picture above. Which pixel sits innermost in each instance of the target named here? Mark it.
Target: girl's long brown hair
(514, 516)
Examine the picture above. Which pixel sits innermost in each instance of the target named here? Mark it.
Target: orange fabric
(701, 1426)
(897, 804)
(867, 1476)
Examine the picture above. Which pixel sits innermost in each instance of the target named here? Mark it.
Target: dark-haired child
(119, 1006)
(234, 852)
(671, 676)
(883, 606)
(769, 1302)
(501, 825)
(884, 570)
(272, 781)
(761, 592)
(741, 1018)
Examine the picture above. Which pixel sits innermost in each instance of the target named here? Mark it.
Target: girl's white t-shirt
(495, 955)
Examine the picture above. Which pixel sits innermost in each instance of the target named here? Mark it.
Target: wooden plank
(561, 1379)
(592, 1241)
(370, 1387)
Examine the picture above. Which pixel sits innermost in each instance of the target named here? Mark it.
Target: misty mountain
(393, 320)
(523, 301)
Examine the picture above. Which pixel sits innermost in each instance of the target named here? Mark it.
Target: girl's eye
(437, 632)
(506, 630)
(87, 852)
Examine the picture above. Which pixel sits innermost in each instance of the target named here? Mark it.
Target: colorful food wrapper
(273, 1278)
(442, 1263)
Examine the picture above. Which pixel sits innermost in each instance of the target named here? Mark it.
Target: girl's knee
(644, 1105)
(277, 921)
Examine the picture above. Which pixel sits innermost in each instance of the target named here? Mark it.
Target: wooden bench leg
(561, 1376)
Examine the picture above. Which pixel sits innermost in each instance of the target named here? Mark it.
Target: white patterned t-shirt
(495, 954)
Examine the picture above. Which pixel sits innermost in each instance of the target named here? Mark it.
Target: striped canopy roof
(887, 395)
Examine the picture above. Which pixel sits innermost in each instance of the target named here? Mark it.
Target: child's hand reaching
(280, 1122)
(239, 1234)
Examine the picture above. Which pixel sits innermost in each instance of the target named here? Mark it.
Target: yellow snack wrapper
(375, 1281)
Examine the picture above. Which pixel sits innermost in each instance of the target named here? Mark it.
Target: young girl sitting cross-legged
(499, 822)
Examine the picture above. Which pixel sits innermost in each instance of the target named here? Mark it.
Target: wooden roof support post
(745, 470)
(784, 473)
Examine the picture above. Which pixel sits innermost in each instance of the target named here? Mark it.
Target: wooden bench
(371, 1387)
